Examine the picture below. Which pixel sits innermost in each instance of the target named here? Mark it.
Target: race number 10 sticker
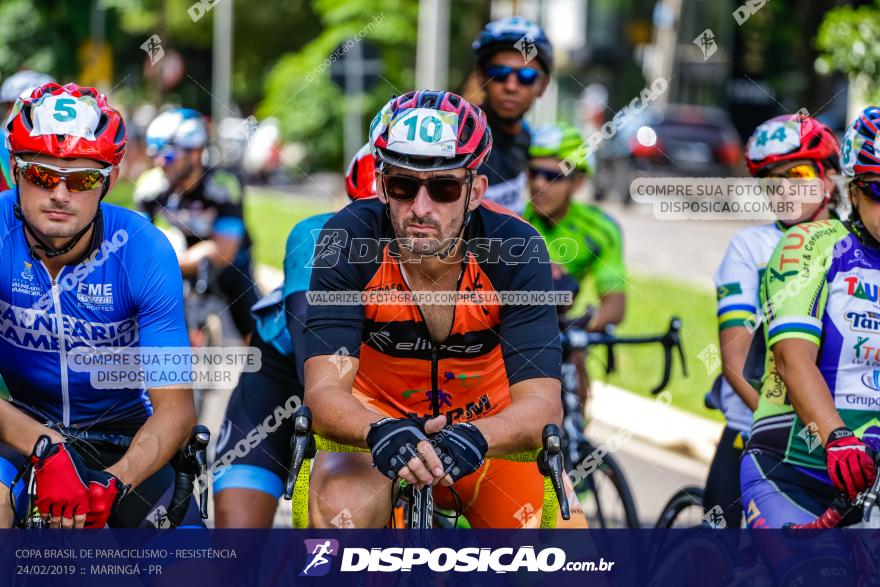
(423, 131)
(64, 114)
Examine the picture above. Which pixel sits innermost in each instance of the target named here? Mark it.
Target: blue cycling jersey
(127, 292)
(269, 312)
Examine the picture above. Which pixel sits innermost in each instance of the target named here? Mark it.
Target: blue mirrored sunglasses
(525, 75)
(869, 188)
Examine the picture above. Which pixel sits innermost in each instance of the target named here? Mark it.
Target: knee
(350, 500)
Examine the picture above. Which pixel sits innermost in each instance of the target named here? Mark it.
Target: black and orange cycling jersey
(490, 346)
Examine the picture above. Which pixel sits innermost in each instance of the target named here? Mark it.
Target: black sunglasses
(526, 76)
(546, 174)
(443, 190)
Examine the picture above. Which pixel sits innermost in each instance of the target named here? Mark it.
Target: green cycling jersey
(587, 242)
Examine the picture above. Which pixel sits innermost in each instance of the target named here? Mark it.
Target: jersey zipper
(62, 347)
(435, 350)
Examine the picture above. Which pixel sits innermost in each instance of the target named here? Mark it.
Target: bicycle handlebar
(549, 461)
(841, 505)
(574, 337)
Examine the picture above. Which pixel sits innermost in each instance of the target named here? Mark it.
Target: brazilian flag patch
(729, 289)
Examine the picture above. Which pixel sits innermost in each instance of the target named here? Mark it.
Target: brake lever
(302, 446)
(870, 497)
(550, 465)
(199, 440)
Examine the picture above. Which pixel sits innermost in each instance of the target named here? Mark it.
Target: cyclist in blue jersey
(205, 203)
(246, 489)
(81, 274)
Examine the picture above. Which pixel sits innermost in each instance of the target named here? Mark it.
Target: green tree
(849, 42)
(309, 105)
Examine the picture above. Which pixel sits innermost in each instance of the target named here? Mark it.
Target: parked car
(679, 141)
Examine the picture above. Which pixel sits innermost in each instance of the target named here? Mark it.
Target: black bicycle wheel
(606, 497)
(684, 510)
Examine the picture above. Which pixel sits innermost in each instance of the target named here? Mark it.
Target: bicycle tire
(608, 469)
(685, 498)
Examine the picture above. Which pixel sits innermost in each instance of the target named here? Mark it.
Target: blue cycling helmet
(177, 127)
(518, 34)
(858, 155)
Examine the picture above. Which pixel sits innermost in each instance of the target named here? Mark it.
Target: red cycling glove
(850, 467)
(62, 486)
(105, 491)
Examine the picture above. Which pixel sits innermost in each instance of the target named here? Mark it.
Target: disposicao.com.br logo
(443, 559)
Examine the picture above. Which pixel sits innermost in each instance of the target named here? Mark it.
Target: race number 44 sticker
(64, 114)
(774, 137)
(424, 131)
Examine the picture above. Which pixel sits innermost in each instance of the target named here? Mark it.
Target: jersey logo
(95, 294)
(864, 321)
(777, 276)
(861, 289)
(28, 271)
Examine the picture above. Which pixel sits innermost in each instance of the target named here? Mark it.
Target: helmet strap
(49, 251)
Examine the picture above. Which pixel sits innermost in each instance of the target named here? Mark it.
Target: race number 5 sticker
(423, 131)
(65, 115)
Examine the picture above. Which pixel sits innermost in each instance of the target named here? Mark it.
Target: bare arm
(534, 403)
(735, 342)
(163, 433)
(337, 414)
(220, 250)
(612, 307)
(20, 431)
(809, 394)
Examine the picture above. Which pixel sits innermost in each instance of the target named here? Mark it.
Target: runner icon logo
(320, 553)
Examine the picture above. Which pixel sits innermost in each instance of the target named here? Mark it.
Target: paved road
(686, 249)
(653, 473)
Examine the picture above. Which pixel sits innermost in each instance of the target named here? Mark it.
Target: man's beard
(424, 247)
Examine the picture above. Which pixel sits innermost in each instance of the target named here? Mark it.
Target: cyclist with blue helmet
(205, 204)
(817, 413)
(514, 61)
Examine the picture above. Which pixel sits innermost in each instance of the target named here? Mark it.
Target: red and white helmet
(430, 131)
(791, 137)
(360, 179)
(68, 122)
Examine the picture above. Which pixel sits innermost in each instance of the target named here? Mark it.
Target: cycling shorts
(500, 494)
(144, 507)
(775, 493)
(253, 405)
